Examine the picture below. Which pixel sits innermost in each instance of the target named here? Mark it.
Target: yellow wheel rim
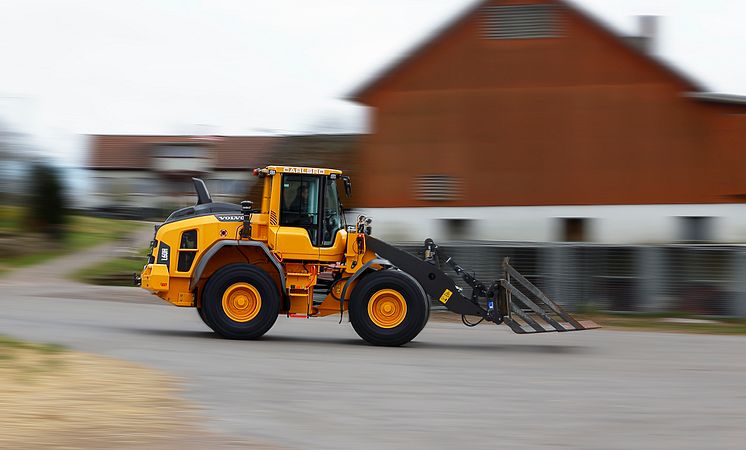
(241, 302)
(387, 308)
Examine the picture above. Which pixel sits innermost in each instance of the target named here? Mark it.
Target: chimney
(648, 33)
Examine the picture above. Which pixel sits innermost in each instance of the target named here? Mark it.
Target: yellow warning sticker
(446, 295)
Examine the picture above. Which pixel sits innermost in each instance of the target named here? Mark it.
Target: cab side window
(300, 203)
(333, 218)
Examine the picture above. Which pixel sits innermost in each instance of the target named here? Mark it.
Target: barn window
(458, 229)
(435, 188)
(696, 229)
(574, 229)
(520, 22)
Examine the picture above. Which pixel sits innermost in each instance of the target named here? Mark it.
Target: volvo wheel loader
(241, 267)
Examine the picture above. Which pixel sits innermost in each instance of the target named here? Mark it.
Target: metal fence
(699, 279)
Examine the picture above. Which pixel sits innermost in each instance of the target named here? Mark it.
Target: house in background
(530, 120)
(154, 172)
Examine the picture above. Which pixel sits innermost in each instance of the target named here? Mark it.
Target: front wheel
(240, 301)
(388, 308)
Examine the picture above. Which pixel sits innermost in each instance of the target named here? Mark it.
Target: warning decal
(446, 295)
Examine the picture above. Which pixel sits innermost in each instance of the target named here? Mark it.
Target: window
(458, 229)
(333, 217)
(436, 188)
(179, 151)
(300, 203)
(187, 250)
(228, 187)
(519, 22)
(143, 186)
(177, 186)
(180, 158)
(696, 229)
(574, 229)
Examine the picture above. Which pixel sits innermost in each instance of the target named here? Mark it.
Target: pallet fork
(512, 300)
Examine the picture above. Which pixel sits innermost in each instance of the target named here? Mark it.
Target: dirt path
(56, 269)
(49, 279)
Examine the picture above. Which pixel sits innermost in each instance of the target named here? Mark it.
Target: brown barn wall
(580, 119)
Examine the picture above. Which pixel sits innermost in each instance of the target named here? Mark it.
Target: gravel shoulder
(69, 399)
(58, 398)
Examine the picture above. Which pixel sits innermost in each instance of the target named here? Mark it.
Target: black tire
(216, 317)
(415, 318)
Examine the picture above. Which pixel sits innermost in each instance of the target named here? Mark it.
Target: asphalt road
(311, 383)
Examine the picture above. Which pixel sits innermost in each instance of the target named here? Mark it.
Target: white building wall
(237, 182)
(609, 224)
(197, 165)
(142, 188)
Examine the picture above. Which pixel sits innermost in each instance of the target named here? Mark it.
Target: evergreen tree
(47, 206)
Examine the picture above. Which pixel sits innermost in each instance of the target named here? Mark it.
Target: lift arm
(434, 281)
(513, 299)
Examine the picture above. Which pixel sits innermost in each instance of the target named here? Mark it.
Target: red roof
(444, 31)
(134, 152)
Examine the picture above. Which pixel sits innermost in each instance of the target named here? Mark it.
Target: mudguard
(197, 274)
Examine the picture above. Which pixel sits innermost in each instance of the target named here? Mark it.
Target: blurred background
(601, 144)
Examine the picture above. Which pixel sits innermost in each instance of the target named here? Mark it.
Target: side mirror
(348, 185)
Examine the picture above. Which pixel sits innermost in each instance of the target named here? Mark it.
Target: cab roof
(303, 170)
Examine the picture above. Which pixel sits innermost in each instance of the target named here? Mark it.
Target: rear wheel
(240, 301)
(388, 308)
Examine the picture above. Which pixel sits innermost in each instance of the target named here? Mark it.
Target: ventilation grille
(437, 188)
(520, 22)
(272, 218)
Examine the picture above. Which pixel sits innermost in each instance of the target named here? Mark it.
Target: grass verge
(82, 232)
(10, 218)
(673, 322)
(9, 345)
(114, 272)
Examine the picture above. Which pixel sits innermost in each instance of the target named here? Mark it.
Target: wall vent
(520, 22)
(437, 188)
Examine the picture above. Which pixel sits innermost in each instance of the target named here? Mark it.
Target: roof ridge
(448, 26)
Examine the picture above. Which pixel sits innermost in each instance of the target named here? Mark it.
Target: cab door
(333, 239)
(299, 226)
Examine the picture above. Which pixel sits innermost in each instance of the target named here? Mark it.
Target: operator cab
(304, 214)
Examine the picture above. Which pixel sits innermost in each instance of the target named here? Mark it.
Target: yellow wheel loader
(241, 267)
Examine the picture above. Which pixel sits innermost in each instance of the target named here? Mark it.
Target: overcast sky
(280, 66)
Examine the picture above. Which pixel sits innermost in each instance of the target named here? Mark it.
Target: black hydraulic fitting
(246, 211)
